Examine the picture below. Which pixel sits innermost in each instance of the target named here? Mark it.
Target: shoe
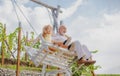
(82, 61)
(90, 62)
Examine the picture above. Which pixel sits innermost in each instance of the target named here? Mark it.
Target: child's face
(49, 30)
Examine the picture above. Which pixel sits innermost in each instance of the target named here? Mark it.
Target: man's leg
(78, 49)
(86, 52)
(80, 53)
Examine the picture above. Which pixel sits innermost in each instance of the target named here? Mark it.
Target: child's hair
(45, 28)
(47, 32)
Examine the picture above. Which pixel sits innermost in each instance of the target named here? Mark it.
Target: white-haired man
(81, 51)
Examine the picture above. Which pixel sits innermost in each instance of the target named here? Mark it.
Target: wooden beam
(45, 5)
(55, 13)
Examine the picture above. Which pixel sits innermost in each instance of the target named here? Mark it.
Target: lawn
(108, 75)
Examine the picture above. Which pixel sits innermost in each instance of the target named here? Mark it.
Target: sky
(95, 23)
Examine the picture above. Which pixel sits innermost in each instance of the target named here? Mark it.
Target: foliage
(3, 38)
(1, 30)
(95, 51)
(12, 39)
(84, 69)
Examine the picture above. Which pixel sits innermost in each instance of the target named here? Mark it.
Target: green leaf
(94, 51)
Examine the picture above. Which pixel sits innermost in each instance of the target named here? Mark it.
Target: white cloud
(38, 16)
(71, 10)
(103, 35)
(113, 19)
(6, 16)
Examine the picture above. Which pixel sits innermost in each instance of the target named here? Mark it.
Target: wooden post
(3, 43)
(93, 74)
(26, 43)
(18, 52)
(2, 52)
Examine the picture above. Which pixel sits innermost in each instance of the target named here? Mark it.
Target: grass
(13, 67)
(108, 75)
(38, 69)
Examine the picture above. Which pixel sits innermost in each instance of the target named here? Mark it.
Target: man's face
(62, 30)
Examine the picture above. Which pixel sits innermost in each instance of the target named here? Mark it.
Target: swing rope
(49, 14)
(14, 1)
(15, 11)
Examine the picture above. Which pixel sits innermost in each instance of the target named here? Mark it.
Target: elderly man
(81, 51)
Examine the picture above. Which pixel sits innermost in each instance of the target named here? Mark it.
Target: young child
(47, 33)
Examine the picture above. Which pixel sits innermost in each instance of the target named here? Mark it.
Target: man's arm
(60, 44)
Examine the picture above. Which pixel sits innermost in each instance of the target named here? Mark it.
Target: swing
(62, 58)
